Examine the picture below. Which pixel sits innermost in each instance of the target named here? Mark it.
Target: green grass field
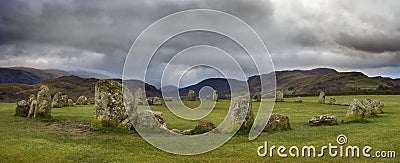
(67, 139)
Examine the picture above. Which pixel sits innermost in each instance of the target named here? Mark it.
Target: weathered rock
(91, 100)
(321, 98)
(31, 98)
(191, 95)
(257, 96)
(277, 122)
(64, 100)
(150, 121)
(43, 108)
(32, 108)
(237, 111)
(299, 100)
(154, 101)
(82, 100)
(22, 109)
(109, 108)
(332, 101)
(378, 106)
(279, 97)
(215, 95)
(319, 120)
(138, 96)
(355, 113)
(70, 103)
(57, 102)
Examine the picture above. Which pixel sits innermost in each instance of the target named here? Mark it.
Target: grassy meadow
(67, 137)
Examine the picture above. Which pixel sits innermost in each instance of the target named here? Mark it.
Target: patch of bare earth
(68, 126)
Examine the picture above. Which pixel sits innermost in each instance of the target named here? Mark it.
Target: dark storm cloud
(359, 34)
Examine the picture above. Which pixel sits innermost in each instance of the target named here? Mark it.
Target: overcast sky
(95, 35)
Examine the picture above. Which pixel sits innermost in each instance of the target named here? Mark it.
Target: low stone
(168, 99)
(151, 121)
(279, 97)
(332, 101)
(202, 127)
(277, 122)
(299, 100)
(345, 104)
(378, 106)
(82, 100)
(153, 101)
(43, 108)
(237, 112)
(321, 97)
(22, 109)
(319, 120)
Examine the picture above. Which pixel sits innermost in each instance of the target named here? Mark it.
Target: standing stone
(168, 99)
(32, 108)
(279, 97)
(355, 113)
(64, 100)
(277, 122)
(43, 108)
(22, 109)
(319, 120)
(332, 101)
(202, 127)
(82, 100)
(70, 103)
(109, 108)
(237, 111)
(191, 95)
(321, 98)
(299, 100)
(257, 96)
(215, 95)
(138, 96)
(57, 102)
(31, 99)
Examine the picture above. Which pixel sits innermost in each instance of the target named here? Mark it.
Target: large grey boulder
(82, 100)
(109, 108)
(356, 112)
(326, 119)
(43, 108)
(321, 97)
(22, 109)
(279, 97)
(276, 122)
(150, 121)
(237, 111)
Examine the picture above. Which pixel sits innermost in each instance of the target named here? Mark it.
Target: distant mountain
(24, 75)
(72, 86)
(220, 84)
